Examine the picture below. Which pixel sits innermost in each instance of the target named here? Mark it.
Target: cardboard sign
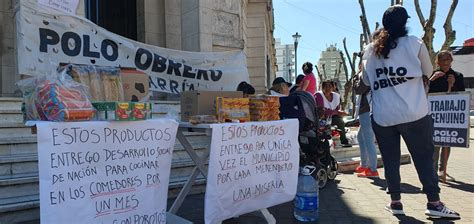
(47, 37)
(450, 112)
(105, 172)
(251, 166)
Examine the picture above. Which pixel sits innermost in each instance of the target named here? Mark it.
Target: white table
(199, 162)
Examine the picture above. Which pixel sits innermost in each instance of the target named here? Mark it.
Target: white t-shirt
(398, 94)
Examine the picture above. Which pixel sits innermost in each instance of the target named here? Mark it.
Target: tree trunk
(365, 24)
(427, 25)
(449, 33)
(348, 85)
(319, 73)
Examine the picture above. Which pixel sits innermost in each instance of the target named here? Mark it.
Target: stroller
(313, 137)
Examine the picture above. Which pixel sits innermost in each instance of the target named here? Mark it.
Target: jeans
(418, 136)
(440, 157)
(365, 136)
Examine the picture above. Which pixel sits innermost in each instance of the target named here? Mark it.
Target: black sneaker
(440, 211)
(395, 208)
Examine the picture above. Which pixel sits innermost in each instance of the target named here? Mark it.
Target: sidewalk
(362, 200)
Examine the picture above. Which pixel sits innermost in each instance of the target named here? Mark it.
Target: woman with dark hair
(330, 102)
(393, 66)
(297, 84)
(308, 83)
(246, 88)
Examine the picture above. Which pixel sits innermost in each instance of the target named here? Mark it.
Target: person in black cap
(246, 88)
(393, 66)
(280, 87)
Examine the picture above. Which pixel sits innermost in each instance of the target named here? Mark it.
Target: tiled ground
(361, 200)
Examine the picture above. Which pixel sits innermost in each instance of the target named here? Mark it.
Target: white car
(471, 117)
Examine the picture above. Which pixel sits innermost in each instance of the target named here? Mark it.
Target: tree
(429, 30)
(428, 35)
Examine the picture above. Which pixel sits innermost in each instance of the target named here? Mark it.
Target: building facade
(188, 25)
(330, 66)
(285, 55)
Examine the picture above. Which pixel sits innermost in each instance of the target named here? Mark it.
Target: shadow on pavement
(459, 185)
(412, 220)
(333, 209)
(404, 187)
(408, 219)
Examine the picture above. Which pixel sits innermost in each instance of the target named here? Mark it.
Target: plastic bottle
(306, 203)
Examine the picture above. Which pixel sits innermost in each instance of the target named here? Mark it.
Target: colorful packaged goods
(232, 109)
(264, 108)
(55, 98)
(103, 83)
(123, 111)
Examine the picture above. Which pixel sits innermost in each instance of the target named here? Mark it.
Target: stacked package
(232, 109)
(264, 108)
(104, 83)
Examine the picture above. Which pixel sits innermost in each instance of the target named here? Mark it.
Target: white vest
(398, 94)
(336, 100)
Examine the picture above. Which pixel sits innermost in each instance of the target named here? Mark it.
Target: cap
(279, 80)
(395, 16)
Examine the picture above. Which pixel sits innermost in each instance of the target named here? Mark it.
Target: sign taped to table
(450, 112)
(252, 166)
(105, 172)
(47, 37)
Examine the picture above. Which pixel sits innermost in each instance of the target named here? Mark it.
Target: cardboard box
(135, 85)
(202, 102)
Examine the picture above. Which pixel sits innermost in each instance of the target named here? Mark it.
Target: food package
(55, 98)
(232, 109)
(111, 83)
(103, 83)
(122, 111)
(264, 108)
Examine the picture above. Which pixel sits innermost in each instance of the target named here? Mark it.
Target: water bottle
(306, 203)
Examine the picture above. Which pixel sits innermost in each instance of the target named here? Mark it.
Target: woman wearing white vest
(394, 64)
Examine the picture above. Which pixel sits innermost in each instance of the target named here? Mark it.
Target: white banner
(450, 112)
(251, 166)
(105, 172)
(68, 6)
(46, 38)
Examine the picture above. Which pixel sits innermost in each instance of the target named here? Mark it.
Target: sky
(324, 22)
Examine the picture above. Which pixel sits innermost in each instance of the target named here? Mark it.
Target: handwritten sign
(68, 6)
(450, 112)
(251, 166)
(105, 172)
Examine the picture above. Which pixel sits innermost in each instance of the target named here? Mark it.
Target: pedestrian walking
(393, 66)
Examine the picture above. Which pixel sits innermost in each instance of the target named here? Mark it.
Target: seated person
(246, 88)
(279, 87)
(330, 101)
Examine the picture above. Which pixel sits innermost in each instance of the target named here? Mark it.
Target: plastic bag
(55, 98)
(104, 83)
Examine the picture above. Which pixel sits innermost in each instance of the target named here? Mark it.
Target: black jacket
(441, 84)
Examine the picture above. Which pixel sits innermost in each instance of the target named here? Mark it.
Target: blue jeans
(365, 136)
